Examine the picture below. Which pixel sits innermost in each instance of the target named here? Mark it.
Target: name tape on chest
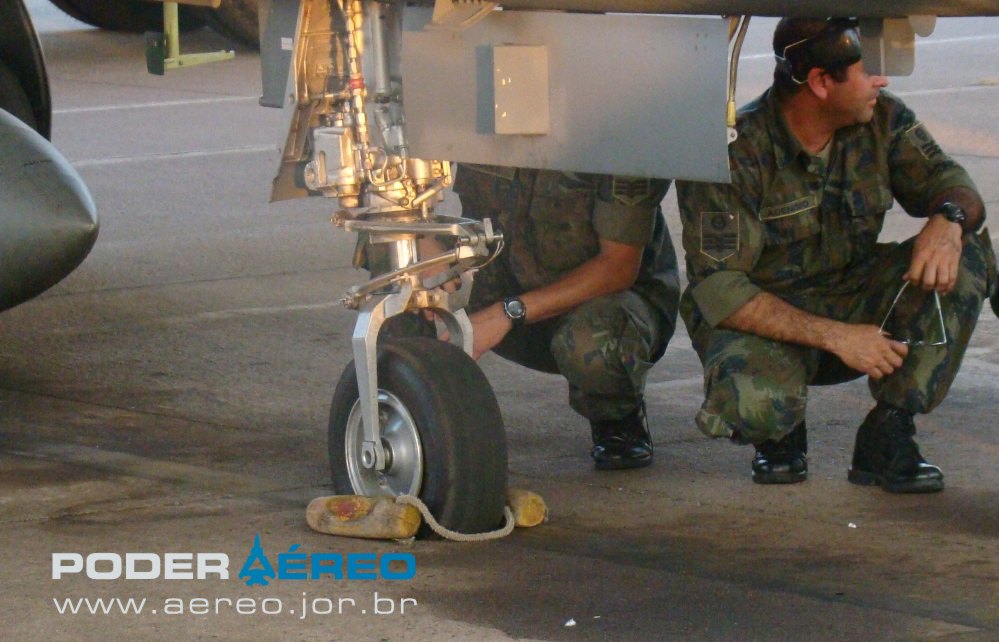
(797, 206)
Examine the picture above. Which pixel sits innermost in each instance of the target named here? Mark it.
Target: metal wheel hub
(403, 473)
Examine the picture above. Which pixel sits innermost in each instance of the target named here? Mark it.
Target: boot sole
(780, 478)
(622, 464)
(863, 478)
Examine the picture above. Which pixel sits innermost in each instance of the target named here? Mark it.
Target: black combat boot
(622, 443)
(782, 462)
(886, 454)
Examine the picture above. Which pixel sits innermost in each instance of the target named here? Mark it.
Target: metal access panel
(638, 95)
(278, 20)
(520, 90)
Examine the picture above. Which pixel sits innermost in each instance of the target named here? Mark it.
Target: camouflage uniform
(805, 230)
(552, 223)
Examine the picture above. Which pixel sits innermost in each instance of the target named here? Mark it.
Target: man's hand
(864, 348)
(936, 256)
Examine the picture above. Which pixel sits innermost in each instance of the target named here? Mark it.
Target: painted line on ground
(945, 90)
(118, 160)
(920, 42)
(156, 105)
(217, 315)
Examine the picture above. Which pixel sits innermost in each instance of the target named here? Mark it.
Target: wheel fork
(408, 293)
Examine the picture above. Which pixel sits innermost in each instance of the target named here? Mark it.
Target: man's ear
(818, 82)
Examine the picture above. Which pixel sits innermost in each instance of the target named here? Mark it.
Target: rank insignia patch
(719, 235)
(631, 191)
(921, 140)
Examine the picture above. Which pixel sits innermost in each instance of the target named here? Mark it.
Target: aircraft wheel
(235, 19)
(441, 429)
(13, 98)
(126, 15)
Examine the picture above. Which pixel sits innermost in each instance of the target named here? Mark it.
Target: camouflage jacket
(794, 225)
(553, 222)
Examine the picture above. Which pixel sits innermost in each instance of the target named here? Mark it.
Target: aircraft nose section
(48, 221)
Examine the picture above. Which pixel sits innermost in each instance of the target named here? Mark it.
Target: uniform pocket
(866, 202)
(561, 215)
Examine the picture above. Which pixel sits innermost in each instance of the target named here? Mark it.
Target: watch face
(514, 308)
(952, 213)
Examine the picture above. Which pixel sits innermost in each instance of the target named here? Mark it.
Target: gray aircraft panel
(635, 95)
(802, 8)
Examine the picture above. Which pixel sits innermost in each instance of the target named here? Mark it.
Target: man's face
(852, 101)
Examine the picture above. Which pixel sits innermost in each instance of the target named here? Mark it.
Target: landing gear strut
(412, 416)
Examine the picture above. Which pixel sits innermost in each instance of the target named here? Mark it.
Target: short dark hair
(802, 44)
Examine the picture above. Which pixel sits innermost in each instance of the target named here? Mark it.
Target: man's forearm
(859, 346)
(968, 200)
(613, 270)
(768, 316)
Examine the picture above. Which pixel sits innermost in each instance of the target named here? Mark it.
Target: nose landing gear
(410, 416)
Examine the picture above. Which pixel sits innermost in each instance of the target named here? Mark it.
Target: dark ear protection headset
(836, 46)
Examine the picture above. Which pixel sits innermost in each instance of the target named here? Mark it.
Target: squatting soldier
(789, 286)
(587, 287)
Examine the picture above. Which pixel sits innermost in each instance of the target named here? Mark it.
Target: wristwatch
(515, 310)
(952, 213)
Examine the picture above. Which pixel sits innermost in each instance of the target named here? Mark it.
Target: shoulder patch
(631, 191)
(920, 139)
(719, 235)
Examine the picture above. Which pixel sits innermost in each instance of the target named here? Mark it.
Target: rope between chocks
(455, 536)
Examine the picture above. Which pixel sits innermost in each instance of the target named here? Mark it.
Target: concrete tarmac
(172, 396)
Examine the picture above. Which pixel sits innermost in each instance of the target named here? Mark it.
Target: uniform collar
(786, 146)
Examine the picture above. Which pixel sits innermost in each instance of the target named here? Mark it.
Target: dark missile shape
(48, 221)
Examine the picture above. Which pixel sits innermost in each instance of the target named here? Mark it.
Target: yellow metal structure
(163, 49)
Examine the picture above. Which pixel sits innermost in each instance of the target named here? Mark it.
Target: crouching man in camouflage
(587, 287)
(789, 286)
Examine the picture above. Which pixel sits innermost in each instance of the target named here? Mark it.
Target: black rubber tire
(237, 20)
(459, 425)
(13, 98)
(127, 15)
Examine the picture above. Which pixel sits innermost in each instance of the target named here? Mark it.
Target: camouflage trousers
(756, 389)
(604, 348)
